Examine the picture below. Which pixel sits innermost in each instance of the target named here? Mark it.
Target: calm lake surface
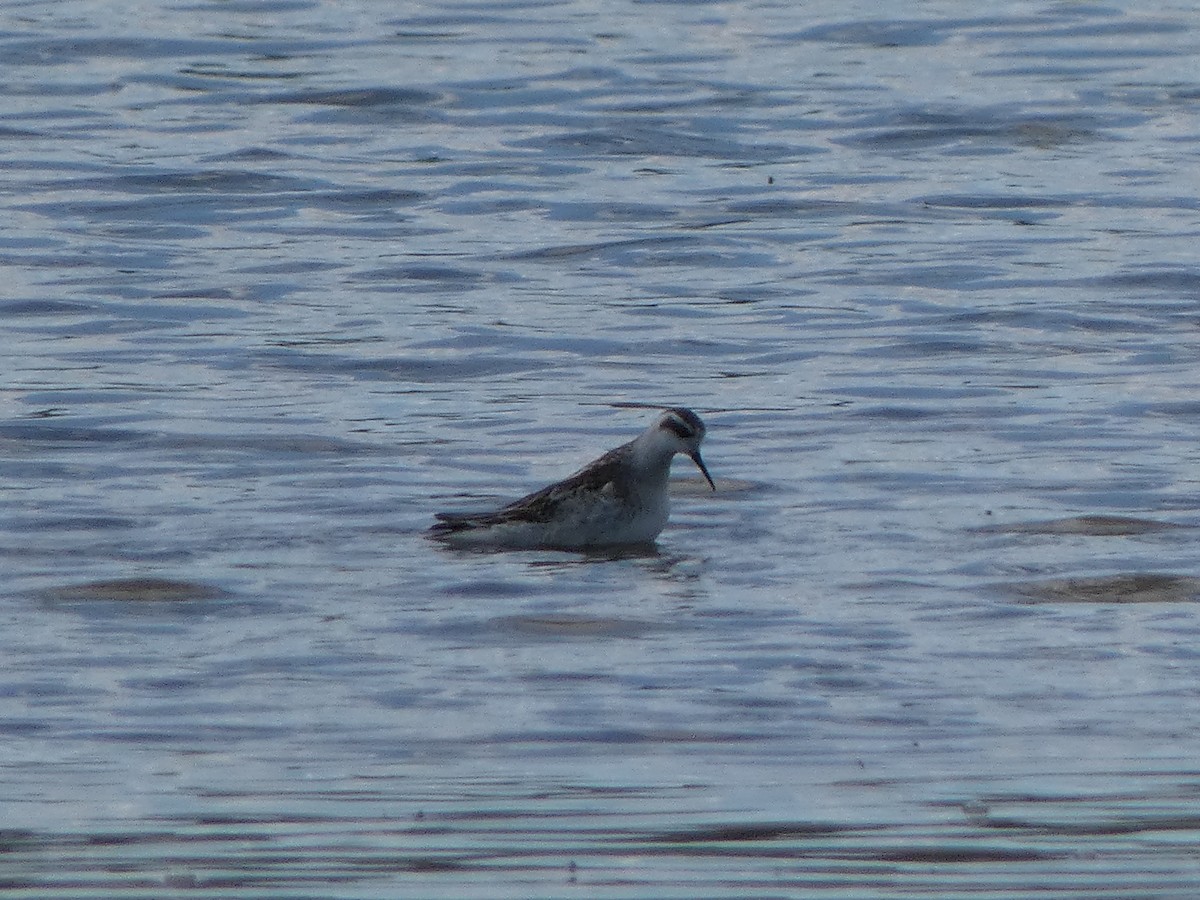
(283, 279)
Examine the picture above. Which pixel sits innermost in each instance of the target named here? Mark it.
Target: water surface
(284, 278)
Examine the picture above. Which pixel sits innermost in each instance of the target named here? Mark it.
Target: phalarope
(619, 499)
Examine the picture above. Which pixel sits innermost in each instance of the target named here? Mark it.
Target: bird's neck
(652, 457)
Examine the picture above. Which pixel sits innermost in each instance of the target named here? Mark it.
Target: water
(282, 279)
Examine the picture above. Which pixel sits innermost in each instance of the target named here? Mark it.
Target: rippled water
(282, 279)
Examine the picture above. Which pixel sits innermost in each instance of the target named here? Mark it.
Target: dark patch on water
(356, 97)
(136, 590)
(572, 627)
(751, 832)
(1094, 525)
(1139, 587)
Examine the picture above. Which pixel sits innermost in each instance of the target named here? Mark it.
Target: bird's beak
(695, 457)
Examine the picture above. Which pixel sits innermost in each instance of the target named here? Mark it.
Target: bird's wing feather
(542, 505)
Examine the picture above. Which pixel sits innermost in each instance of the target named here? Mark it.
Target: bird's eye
(681, 429)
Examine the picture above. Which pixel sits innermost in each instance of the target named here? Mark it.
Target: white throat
(652, 454)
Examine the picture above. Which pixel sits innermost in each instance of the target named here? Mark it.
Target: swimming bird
(619, 499)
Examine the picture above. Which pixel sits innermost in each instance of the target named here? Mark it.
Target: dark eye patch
(683, 430)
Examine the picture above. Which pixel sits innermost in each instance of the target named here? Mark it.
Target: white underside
(602, 522)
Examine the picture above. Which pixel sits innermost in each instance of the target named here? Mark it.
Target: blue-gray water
(282, 279)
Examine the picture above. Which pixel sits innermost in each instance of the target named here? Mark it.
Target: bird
(619, 499)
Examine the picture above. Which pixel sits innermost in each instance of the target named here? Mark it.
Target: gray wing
(543, 505)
